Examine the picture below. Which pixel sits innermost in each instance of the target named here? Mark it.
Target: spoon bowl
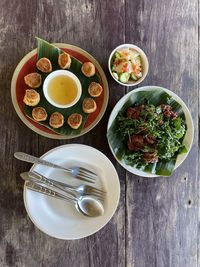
(90, 206)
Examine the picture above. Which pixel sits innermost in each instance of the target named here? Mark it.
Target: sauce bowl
(56, 74)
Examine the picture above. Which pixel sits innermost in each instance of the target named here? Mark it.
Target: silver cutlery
(76, 172)
(86, 205)
(81, 190)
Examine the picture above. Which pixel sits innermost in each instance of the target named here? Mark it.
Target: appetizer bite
(89, 105)
(64, 60)
(74, 120)
(88, 69)
(44, 65)
(33, 80)
(95, 89)
(127, 65)
(31, 97)
(56, 120)
(39, 114)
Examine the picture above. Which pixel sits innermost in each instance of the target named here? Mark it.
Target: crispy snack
(64, 60)
(39, 114)
(44, 65)
(74, 120)
(89, 105)
(31, 97)
(56, 120)
(88, 69)
(95, 89)
(33, 80)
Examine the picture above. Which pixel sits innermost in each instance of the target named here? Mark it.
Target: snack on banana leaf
(88, 69)
(31, 97)
(39, 114)
(56, 120)
(74, 120)
(64, 60)
(95, 89)
(89, 105)
(33, 80)
(44, 65)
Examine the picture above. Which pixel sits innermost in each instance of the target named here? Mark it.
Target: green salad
(148, 132)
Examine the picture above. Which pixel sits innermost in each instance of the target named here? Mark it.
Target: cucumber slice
(137, 61)
(115, 75)
(134, 54)
(117, 55)
(133, 76)
(113, 68)
(124, 77)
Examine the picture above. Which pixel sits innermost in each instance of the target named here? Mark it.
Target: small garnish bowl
(66, 73)
(145, 64)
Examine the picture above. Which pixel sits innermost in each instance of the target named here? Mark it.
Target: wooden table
(156, 223)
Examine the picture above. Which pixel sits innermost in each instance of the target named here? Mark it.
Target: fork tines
(88, 172)
(100, 194)
(86, 175)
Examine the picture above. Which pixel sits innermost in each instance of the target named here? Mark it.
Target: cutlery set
(85, 204)
(87, 199)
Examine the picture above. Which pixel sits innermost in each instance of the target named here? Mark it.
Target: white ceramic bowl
(188, 139)
(62, 73)
(145, 64)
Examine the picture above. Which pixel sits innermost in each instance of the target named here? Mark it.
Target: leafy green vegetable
(151, 139)
(52, 52)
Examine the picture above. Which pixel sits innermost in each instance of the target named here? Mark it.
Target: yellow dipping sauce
(62, 90)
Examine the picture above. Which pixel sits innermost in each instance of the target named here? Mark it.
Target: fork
(76, 172)
(82, 190)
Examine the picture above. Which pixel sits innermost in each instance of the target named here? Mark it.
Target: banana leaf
(45, 49)
(155, 97)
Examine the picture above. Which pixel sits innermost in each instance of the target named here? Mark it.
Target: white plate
(188, 139)
(60, 219)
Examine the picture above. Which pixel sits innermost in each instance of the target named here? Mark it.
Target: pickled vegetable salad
(127, 65)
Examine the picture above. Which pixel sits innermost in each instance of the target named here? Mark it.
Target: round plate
(18, 87)
(60, 219)
(188, 139)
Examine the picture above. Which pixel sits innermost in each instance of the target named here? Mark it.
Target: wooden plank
(16, 28)
(198, 131)
(162, 213)
(81, 23)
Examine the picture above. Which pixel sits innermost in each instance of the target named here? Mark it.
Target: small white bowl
(145, 64)
(57, 73)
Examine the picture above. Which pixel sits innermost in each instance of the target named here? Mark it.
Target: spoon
(85, 204)
(90, 206)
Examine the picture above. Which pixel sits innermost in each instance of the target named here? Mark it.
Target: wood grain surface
(157, 221)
